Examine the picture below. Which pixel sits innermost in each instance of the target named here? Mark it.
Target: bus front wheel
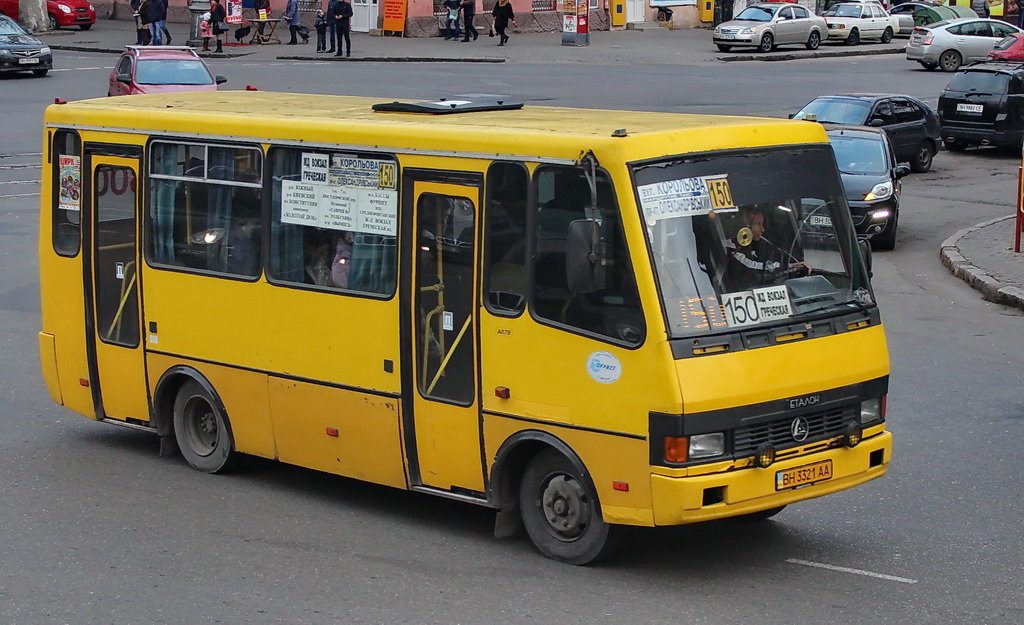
(202, 430)
(561, 513)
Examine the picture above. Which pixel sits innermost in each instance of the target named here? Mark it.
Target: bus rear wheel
(201, 430)
(561, 512)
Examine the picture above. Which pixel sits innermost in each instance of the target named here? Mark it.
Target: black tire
(202, 430)
(928, 66)
(54, 24)
(922, 160)
(950, 61)
(767, 43)
(886, 239)
(854, 38)
(561, 512)
(40, 72)
(722, 48)
(954, 145)
(813, 40)
(85, 26)
(887, 35)
(757, 517)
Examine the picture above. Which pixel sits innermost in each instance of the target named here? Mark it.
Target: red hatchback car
(61, 12)
(1010, 48)
(159, 69)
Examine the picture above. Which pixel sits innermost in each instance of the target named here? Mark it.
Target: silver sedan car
(905, 13)
(765, 26)
(949, 44)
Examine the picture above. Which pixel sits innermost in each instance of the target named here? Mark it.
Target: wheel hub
(565, 507)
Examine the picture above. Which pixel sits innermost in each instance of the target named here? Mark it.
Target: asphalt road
(96, 528)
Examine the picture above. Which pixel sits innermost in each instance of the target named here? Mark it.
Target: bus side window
(67, 200)
(505, 248)
(613, 310)
(205, 207)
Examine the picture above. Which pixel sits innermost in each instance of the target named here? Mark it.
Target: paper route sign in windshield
(685, 197)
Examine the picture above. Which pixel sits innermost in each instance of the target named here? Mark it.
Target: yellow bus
(583, 319)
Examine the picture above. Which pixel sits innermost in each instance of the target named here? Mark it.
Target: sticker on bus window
(745, 308)
(604, 367)
(686, 197)
(70, 183)
(356, 194)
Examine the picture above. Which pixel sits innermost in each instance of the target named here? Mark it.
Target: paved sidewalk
(983, 257)
(650, 46)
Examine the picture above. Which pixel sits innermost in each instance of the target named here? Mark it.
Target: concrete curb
(816, 54)
(215, 55)
(390, 59)
(991, 289)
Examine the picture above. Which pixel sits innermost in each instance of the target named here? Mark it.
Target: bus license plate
(807, 474)
(969, 108)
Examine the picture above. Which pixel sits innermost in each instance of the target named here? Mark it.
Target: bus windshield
(757, 238)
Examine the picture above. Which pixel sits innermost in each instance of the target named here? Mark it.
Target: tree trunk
(32, 14)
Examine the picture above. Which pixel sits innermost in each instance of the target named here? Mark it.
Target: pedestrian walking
(157, 21)
(291, 16)
(343, 19)
(503, 14)
(452, 30)
(217, 17)
(332, 25)
(468, 13)
(320, 24)
(141, 14)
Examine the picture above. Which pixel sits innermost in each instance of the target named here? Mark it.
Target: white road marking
(19, 195)
(843, 569)
(21, 182)
(22, 154)
(78, 69)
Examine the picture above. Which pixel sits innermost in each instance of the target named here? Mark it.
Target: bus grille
(822, 425)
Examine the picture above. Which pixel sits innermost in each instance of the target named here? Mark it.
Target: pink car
(61, 12)
(1009, 49)
(159, 69)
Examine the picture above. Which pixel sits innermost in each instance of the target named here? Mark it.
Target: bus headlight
(871, 410)
(707, 445)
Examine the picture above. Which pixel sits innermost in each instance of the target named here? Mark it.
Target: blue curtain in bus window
(285, 239)
(162, 202)
(219, 197)
(373, 264)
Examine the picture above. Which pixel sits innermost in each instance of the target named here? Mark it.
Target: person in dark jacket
(343, 19)
(264, 5)
(502, 16)
(217, 16)
(157, 21)
(468, 13)
(320, 24)
(452, 30)
(332, 25)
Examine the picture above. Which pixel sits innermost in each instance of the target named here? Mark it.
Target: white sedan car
(854, 21)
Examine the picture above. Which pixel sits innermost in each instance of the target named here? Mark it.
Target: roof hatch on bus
(445, 106)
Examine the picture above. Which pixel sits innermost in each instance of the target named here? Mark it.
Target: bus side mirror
(865, 253)
(584, 258)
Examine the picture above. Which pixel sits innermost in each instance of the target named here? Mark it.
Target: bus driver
(754, 261)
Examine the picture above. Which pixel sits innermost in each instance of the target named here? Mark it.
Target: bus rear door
(442, 423)
(116, 363)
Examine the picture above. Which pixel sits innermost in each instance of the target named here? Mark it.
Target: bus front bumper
(679, 500)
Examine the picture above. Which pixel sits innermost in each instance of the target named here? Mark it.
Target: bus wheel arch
(190, 412)
(556, 499)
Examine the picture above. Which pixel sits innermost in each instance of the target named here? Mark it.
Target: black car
(871, 179)
(913, 128)
(20, 51)
(983, 104)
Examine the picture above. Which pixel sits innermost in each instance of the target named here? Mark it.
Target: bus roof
(547, 132)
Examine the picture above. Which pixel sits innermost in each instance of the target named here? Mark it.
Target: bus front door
(117, 368)
(443, 436)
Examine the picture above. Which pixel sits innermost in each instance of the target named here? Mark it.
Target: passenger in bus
(342, 262)
(754, 261)
(317, 257)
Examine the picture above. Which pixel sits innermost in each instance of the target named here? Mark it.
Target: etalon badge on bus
(744, 237)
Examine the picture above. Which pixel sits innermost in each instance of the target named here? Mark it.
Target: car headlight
(879, 215)
(837, 25)
(880, 191)
(44, 50)
(92, 8)
(707, 445)
(749, 30)
(5, 52)
(871, 410)
(64, 7)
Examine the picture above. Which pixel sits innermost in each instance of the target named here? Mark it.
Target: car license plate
(969, 108)
(28, 61)
(726, 36)
(806, 474)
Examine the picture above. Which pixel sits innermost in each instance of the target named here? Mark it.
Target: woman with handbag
(503, 14)
(217, 16)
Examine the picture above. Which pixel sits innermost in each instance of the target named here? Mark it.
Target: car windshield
(843, 10)
(10, 27)
(732, 236)
(173, 72)
(859, 154)
(756, 14)
(848, 111)
(979, 82)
